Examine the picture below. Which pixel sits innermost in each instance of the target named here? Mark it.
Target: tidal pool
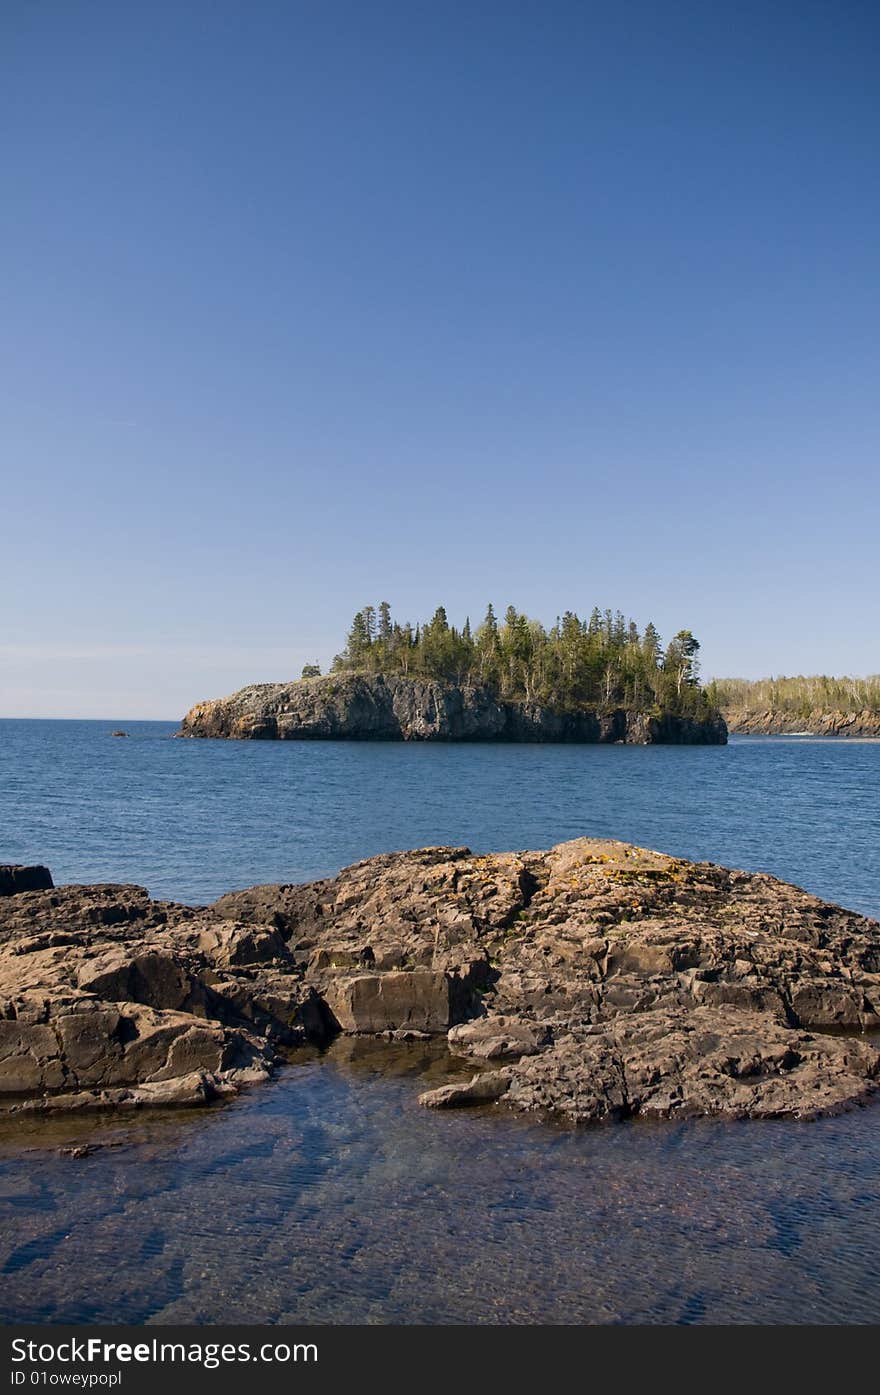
(331, 1196)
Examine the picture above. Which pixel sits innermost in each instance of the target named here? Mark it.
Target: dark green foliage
(311, 671)
(604, 662)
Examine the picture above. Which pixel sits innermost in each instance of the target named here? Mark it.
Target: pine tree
(439, 622)
(681, 661)
(651, 644)
(358, 641)
(603, 662)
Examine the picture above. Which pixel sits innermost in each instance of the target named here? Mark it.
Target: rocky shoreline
(590, 982)
(370, 707)
(749, 722)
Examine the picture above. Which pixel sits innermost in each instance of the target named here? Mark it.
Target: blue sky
(307, 305)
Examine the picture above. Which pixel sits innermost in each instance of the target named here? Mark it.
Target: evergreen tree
(603, 662)
(439, 622)
(681, 660)
(358, 641)
(651, 644)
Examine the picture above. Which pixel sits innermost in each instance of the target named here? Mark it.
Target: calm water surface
(192, 819)
(329, 1195)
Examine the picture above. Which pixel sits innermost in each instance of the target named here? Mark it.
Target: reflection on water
(331, 1196)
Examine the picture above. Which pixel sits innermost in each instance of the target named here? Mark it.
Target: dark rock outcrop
(15, 878)
(367, 707)
(593, 981)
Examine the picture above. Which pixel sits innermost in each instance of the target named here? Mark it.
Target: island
(594, 680)
(594, 981)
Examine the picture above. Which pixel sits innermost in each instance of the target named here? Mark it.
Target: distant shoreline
(736, 728)
(841, 726)
(815, 705)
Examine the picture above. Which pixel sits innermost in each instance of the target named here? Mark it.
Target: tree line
(604, 661)
(799, 696)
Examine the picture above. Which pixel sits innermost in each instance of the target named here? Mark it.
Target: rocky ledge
(370, 707)
(769, 722)
(593, 981)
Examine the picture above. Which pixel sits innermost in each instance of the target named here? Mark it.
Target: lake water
(329, 1195)
(192, 819)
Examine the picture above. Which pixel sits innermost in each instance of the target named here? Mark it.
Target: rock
(496, 1037)
(372, 707)
(151, 977)
(71, 914)
(108, 998)
(86, 1045)
(187, 1091)
(551, 950)
(480, 1089)
(15, 879)
(119, 733)
(611, 981)
(416, 999)
(747, 721)
(677, 1063)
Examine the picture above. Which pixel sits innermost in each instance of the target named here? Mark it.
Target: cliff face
(363, 707)
(767, 722)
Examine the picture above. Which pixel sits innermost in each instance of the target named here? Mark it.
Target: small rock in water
(480, 1089)
(15, 878)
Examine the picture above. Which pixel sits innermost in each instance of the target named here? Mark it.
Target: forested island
(818, 705)
(594, 679)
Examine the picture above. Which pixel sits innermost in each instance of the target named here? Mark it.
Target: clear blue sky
(307, 305)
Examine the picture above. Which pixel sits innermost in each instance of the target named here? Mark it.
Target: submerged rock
(480, 1089)
(600, 980)
(370, 707)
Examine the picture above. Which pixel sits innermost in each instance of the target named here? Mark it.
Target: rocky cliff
(820, 722)
(593, 981)
(365, 707)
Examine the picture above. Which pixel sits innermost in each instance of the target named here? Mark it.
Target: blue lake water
(192, 819)
(329, 1195)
